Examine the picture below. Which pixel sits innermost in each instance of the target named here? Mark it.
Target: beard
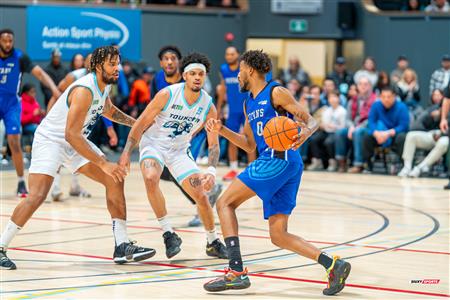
(171, 73)
(108, 79)
(244, 87)
(6, 52)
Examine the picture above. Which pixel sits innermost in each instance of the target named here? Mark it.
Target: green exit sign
(298, 25)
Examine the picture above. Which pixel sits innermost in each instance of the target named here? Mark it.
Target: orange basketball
(279, 133)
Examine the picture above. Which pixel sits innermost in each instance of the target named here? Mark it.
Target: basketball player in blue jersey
(13, 63)
(236, 118)
(274, 176)
(169, 60)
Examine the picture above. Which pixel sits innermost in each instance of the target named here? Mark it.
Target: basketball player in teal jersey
(274, 176)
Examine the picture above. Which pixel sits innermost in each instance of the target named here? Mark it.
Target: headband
(195, 66)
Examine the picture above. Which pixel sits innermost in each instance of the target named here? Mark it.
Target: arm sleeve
(25, 64)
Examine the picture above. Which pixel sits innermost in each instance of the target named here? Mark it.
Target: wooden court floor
(394, 232)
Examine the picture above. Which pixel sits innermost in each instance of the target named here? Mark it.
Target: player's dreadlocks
(257, 60)
(195, 58)
(101, 54)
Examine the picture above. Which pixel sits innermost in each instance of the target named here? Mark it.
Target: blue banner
(80, 30)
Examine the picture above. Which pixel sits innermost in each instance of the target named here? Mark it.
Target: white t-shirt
(333, 119)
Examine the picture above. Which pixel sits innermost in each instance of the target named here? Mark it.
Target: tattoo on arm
(213, 155)
(122, 118)
(131, 143)
(195, 182)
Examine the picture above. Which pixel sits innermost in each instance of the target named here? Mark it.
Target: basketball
(279, 133)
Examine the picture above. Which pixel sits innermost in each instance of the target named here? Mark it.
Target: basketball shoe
(5, 262)
(173, 243)
(337, 274)
(216, 249)
(127, 252)
(232, 280)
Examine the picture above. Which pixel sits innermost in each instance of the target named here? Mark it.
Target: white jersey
(54, 124)
(178, 121)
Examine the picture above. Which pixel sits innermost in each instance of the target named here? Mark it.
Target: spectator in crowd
(77, 62)
(342, 78)
(328, 87)
(413, 5)
(368, 70)
(383, 81)
(131, 74)
(140, 93)
(408, 88)
(32, 113)
(56, 71)
(323, 141)
(438, 6)
(388, 118)
(402, 65)
(425, 135)
(294, 88)
(295, 70)
(352, 92)
(304, 92)
(441, 77)
(358, 110)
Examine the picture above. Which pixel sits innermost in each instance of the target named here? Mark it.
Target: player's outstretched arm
(282, 98)
(244, 141)
(116, 115)
(73, 134)
(142, 123)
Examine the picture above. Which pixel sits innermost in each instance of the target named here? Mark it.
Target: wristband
(211, 170)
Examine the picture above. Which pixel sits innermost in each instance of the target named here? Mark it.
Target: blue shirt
(11, 69)
(259, 111)
(397, 117)
(159, 82)
(235, 98)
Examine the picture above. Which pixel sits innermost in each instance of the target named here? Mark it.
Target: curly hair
(100, 55)
(169, 48)
(195, 58)
(257, 60)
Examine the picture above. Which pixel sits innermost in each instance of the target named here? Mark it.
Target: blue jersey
(259, 111)
(159, 82)
(234, 97)
(10, 74)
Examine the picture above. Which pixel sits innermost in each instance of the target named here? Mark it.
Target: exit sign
(298, 25)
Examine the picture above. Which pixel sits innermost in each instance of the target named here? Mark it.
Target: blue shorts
(10, 110)
(235, 121)
(275, 181)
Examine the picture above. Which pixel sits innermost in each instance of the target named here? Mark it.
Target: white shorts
(180, 162)
(48, 155)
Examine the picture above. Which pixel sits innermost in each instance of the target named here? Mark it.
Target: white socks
(120, 231)
(20, 178)
(233, 165)
(8, 234)
(165, 225)
(211, 236)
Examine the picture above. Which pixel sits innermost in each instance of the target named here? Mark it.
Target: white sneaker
(332, 165)
(415, 173)
(404, 172)
(316, 164)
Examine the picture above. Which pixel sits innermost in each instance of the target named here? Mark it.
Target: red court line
(262, 275)
(241, 235)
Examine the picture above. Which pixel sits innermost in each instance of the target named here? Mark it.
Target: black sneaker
(232, 280)
(173, 243)
(217, 249)
(127, 252)
(5, 262)
(22, 190)
(337, 274)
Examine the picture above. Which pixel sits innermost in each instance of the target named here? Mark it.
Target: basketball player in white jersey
(175, 114)
(61, 139)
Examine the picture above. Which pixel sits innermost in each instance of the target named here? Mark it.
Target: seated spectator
(140, 93)
(383, 81)
(441, 77)
(402, 65)
(368, 70)
(323, 141)
(388, 118)
(413, 5)
(77, 62)
(32, 113)
(341, 77)
(352, 92)
(357, 114)
(295, 71)
(328, 87)
(294, 88)
(408, 88)
(438, 6)
(427, 136)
